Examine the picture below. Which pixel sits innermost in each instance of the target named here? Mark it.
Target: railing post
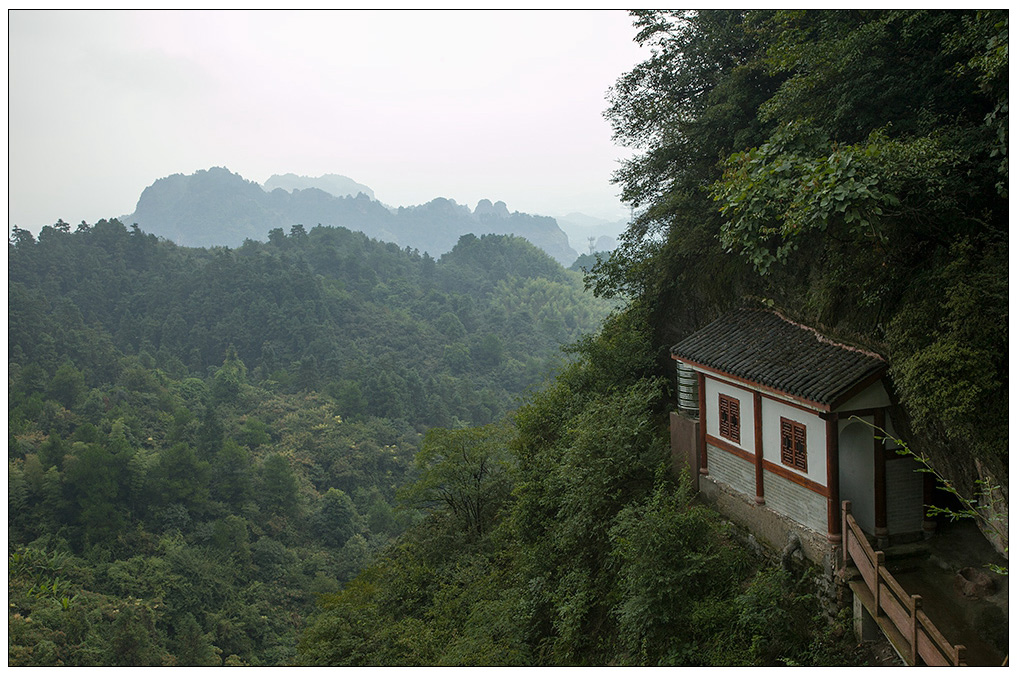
(916, 604)
(880, 562)
(961, 656)
(844, 555)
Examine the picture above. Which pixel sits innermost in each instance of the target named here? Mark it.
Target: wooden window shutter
(786, 442)
(793, 450)
(800, 458)
(730, 427)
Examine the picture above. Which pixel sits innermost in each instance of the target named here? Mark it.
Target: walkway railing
(898, 614)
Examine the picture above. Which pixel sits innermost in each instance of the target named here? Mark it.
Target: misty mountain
(216, 207)
(333, 184)
(581, 227)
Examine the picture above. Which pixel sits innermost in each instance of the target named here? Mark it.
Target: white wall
(715, 388)
(857, 472)
(815, 427)
(874, 396)
(815, 438)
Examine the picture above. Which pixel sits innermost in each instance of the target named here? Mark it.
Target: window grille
(792, 444)
(730, 420)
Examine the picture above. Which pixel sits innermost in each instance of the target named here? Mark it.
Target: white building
(789, 421)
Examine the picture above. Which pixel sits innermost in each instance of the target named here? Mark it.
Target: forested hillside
(311, 450)
(848, 168)
(201, 441)
(845, 167)
(560, 537)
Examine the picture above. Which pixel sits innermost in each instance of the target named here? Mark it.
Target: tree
(192, 647)
(210, 433)
(67, 385)
(230, 378)
(858, 188)
(669, 559)
(180, 478)
(336, 520)
(134, 641)
(488, 352)
(52, 452)
(278, 485)
(464, 473)
(21, 237)
(94, 478)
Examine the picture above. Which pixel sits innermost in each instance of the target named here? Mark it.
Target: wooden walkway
(899, 615)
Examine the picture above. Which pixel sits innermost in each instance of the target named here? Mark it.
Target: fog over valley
(416, 104)
(508, 338)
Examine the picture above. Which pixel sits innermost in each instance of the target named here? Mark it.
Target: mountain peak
(485, 208)
(216, 207)
(334, 184)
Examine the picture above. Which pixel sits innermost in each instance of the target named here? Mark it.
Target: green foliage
(952, 345)
(775, 621)
(337, 519)
(202, 442)
(232, 478)
(465, 473)
(229, 379)
(180, 478)
(858, 189)
(671, 562)
(211, 470)
(597, 558)
(277, 490)
(132, 642)
(793, 186)
(67, 385)
(192, 647)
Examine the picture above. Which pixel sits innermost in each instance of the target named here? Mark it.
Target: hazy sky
(417, 105)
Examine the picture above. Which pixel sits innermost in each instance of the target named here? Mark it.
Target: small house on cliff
(778, 423)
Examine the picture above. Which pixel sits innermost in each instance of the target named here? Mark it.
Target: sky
(414, 104)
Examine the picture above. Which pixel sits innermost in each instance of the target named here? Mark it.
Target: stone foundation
(773, 530)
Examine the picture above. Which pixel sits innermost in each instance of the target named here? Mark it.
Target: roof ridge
(823, 339)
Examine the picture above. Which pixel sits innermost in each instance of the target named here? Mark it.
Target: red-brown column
(879, 472)
(702, 424)
(757, 427)
(832, 480)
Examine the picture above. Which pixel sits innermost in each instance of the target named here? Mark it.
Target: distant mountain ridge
(333, 184)
(216, 207)
(580, 228)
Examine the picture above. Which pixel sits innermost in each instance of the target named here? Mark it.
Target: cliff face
(216, 207)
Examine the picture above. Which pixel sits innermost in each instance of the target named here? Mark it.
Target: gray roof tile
(763, 347)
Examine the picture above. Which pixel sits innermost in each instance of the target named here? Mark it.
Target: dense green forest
(561, 537)
(312, 450)
(846, 167)
(201, 441)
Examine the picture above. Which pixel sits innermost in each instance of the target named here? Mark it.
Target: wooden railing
(898, 614)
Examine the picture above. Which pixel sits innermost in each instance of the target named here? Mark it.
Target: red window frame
(730, 418)
(793, 451)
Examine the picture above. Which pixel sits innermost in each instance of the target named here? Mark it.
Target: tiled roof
(764, 348)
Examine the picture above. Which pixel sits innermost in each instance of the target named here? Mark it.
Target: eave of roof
(763, 348)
